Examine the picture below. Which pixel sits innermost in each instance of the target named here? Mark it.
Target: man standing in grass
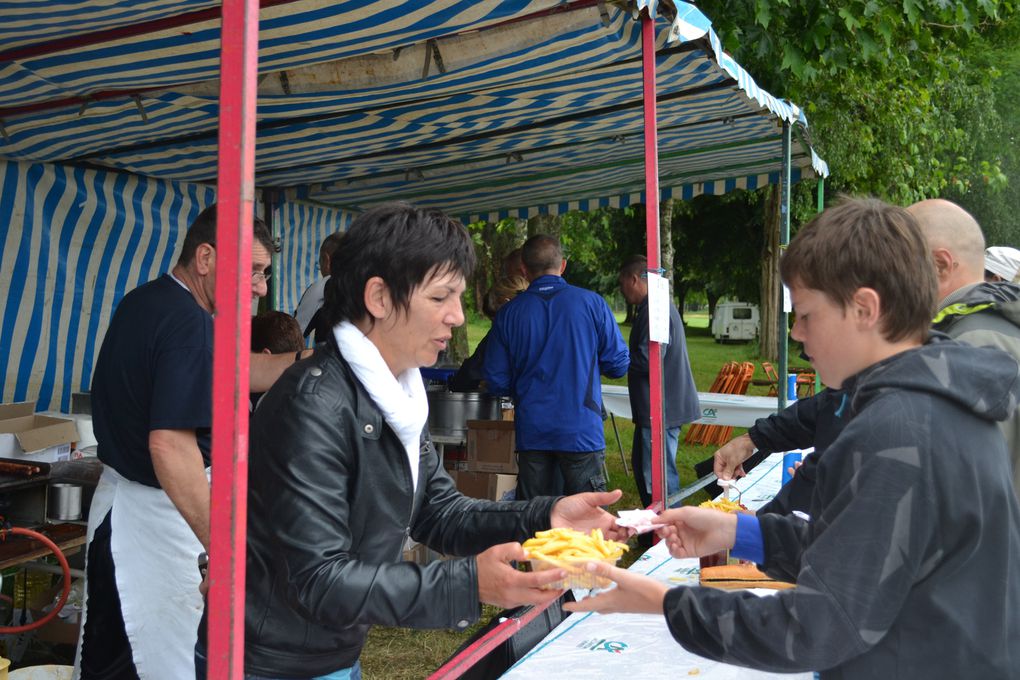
(680, 395)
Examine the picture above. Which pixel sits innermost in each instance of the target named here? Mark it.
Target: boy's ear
(866, 306)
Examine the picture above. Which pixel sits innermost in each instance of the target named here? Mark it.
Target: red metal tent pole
(652, 228)
(466, 659)
(232, 336)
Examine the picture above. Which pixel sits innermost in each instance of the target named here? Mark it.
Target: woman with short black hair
(342, 470)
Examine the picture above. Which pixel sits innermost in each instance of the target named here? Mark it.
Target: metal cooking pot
(450, 411)
(63, 502)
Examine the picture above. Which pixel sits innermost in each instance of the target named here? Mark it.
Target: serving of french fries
(723, 504)
(570, 550)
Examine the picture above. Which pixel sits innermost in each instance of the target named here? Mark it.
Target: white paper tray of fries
(570, 551)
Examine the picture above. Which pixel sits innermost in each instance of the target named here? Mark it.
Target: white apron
(155, 556)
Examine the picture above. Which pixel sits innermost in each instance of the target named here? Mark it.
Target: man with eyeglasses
(152, 411)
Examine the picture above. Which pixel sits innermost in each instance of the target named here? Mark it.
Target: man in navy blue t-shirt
(152, 412)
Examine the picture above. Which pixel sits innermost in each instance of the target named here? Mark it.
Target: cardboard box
(491, 446)
(454, 466)
(452, 452)
(418, 553)
(63, 628)
(58, 630)
(28, 436)
(489, 485)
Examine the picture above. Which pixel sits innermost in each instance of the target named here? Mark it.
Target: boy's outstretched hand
(634, 593)
(693, 532)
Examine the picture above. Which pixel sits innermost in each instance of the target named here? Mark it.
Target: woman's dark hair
(402, 245)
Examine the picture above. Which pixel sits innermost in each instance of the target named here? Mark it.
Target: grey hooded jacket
(909, 565)
(988, 315)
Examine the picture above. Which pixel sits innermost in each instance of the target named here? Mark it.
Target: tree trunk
(510, 239)
(771, 292)
(666, 237)
(681, 300)
(628, 318)
(713, 300)
(666, 243)
(457, 350)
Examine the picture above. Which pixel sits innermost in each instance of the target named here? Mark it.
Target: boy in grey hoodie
(907, 567)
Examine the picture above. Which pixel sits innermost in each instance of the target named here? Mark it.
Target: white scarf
(401, 399)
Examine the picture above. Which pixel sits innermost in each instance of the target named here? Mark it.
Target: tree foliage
(906, 100)
(994, 203)
(597, 243)
(718, 242)
(897, 104)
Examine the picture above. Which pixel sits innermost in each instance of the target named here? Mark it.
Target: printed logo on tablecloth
(685, 575)
(603, 645)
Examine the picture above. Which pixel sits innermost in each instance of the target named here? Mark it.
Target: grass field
(401, 654)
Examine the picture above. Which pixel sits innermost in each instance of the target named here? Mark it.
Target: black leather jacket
(330, 503)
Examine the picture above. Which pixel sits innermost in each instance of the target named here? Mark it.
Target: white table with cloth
(738, 410)
(616, 646)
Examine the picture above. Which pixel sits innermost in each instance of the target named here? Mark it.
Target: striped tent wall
(301, 227)
(72, 242)
(683, 192)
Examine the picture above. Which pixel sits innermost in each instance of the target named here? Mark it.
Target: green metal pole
(784, 240)
(821, 207)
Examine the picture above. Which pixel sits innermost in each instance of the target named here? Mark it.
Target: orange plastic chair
(696, 432)
(741, 379)
(773, 378)
(805, 385)
(733, 378)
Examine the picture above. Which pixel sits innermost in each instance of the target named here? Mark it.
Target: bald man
(970, 310)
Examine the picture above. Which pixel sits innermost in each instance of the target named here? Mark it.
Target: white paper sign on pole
(787, 300)
(658, 308)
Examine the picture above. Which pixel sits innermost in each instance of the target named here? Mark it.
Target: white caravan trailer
(735, 321)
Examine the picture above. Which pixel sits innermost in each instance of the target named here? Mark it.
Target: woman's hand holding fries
(582, 511)
(502, 585)
(693, 532)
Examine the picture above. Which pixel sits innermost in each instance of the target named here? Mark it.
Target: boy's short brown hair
(278, 332)
(867, 243)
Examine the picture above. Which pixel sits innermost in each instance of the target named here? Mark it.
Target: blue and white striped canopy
(484, 109)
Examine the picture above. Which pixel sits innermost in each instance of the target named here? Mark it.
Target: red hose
(35, 535)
